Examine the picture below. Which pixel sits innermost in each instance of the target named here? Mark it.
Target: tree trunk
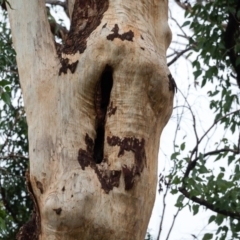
(95, 111)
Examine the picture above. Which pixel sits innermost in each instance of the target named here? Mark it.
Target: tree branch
(173, 222)
(208, 205)
(14, 156)
(31, 34)
(185, 6)
(179, 54)
(167, 184)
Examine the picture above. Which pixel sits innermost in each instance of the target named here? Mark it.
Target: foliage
(215, 27)
(15, 205)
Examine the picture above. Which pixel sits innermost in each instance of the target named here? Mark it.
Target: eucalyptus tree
(96, 105)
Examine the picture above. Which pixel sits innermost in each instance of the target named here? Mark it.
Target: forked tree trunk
(95, 111)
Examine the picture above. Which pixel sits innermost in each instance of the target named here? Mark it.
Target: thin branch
(193, 117)
(164, 209)
(179, 54)
(177, 24)
(192, 164)
(210, 128)
(14, 156)
(184, 6)
(208, 205)
(185, 37)
(173, 222)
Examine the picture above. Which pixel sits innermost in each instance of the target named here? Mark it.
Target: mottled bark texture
(95, 111)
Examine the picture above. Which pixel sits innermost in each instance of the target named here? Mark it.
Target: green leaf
(195, 209)
(219, 219)
(207, 236)
(174, 155)
(186, 23)
(197, 74)
(179, 203)
(182, 147)
(3, 83)
(174, 191)
(6, 98)
(211, 219)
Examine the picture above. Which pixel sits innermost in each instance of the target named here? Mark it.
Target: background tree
(207, 172)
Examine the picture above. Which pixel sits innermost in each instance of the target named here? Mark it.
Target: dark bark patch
(142, 48)
(63, 189)
(57, 211)
(108, 178)
(111, 110)
(66, 65)
(86, 17)
(32, 229)
(39, 186)
(142, 37)
(104, 25)
(128, 36)
(138, 148)
(172, 84)
(129, 175)
(130, 144)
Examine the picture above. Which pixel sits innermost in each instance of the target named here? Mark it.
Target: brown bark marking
(111, 110)
(138, 148)
(172, 84)
(128, 36)
(108, 178)
(129, 175)
(32, 229)
(66, 65)
(57, 211)
(85, 157)
(86, 17)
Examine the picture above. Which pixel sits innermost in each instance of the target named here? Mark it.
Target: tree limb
(208, 205)
(179, 54)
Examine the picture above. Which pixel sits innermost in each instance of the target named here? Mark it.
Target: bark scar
(128, 36)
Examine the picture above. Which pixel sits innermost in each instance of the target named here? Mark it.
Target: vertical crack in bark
(102, 99)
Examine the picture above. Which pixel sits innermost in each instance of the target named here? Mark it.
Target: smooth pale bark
(78, 198)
